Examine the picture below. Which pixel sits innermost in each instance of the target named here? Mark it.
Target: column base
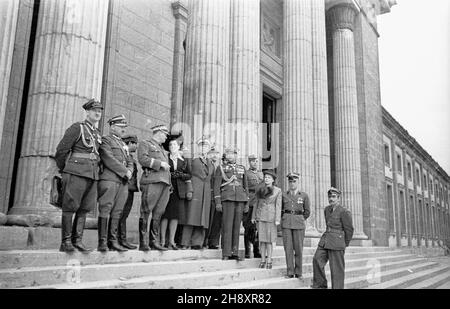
(360, 236)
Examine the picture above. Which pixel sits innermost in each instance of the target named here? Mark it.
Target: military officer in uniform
(254, 178)
(295, 210)
(155, 186)
(78, 160)
(231, 197)
(131, 141)
(332, 245)
(117, 169)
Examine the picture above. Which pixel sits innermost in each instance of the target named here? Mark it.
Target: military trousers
(337, 268)
(231, 224)
(155, 197)
(128, 205)
(293, 250)
(112, 197)
(215, 226)
(79, 194)
(192, 235)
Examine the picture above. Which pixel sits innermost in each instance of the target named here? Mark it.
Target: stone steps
(186, 269)
(32, 276)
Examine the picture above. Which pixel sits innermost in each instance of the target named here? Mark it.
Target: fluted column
(9, 11)
(348, 165)
(207, 70)
(66, 71)
(322, 177)
(298, 112)
(245, 96)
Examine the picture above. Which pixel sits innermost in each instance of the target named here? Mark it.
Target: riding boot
(102, 234)
(66, 233)
(123, 235)
(256, 253)
(113, 241)
(77, 233)
(247, 246)
(154, 235)
(143, 238)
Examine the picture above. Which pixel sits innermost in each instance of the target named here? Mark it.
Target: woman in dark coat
(182, 191)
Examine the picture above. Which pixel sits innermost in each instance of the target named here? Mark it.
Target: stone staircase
(366, 267)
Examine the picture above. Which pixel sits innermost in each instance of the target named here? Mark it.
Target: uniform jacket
(339, 231)
(226, 190)
(77, 139)
(133, 182)
(150, 157)
(254, 179)
(197, 211)
(268, 207)
(298, 202)
(116, 161)
(181, 178)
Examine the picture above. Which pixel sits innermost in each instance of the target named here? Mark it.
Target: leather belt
(82, 155)
(331, 230)
(293, 212)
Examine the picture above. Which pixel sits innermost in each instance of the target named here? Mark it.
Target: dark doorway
(269, 112)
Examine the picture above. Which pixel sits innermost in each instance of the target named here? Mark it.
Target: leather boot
(77, 233)
(143, 245)
(247, 246)
(154, 235)
(113, 241)
(256, 253)
(123, 235)
(66, 233)
(102, 234)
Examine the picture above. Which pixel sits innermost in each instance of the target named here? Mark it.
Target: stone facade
(307, 70)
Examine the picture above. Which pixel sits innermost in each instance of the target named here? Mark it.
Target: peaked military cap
(231, 150)
(335, 191)
(92, 103)
(130, 138)
(252, 157)
(213, 149)
(119, 121)
(160, 128)
(203, 141)
(271, 173)
(293, 176)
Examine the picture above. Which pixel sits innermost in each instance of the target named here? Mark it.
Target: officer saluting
(296, 209)
(113, 185)
(332, 245)
(231, 197)
(155, 186)
(78, 161)
(254, 178)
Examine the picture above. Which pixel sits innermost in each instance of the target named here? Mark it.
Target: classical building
(294, 81)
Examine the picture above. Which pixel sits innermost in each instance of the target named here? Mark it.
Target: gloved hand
(219, 207)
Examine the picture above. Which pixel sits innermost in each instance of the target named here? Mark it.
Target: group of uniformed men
(102, 169)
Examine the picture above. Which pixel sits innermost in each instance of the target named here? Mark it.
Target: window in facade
(387, 158)
(431, 186)
(402, 212)
(417, 177)
(412, 215)
(409, 168)
(399, 163)
(425, 182)
(390, 208)
(421, 218)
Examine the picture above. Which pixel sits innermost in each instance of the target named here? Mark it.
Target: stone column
(180, 12)
(207, 70)
(245, 95)
(348, 164)
(66, 72)
(9, 11)
(322, 176)
(298, 111)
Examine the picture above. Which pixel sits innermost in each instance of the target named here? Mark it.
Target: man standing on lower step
(332, 245)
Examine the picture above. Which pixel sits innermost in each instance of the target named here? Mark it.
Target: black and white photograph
(224, 151)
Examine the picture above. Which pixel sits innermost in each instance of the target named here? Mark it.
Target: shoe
(225, 258)
(269, 265)
(173, 247)
(66, 234)
(143, 245)
(289, 276)
(236, 257)
(184, 248)
(213, 247)
(77, 234)
(256, 255)
(298, 276)
(102, 226)
(262, 265)
(196, 247)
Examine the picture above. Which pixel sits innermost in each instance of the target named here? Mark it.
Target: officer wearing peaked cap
(333, 243)
(77, 158)
(295, 211)
(231, 197)
(155, 186)
(117, 169)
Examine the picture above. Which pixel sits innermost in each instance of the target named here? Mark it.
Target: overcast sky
(415, 72)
